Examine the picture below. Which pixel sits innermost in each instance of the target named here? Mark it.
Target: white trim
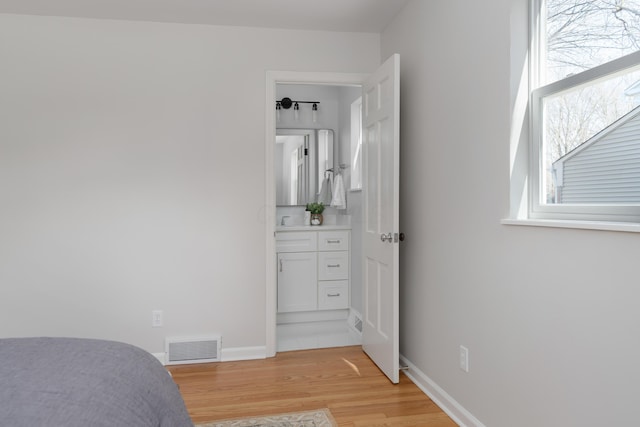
(448, 404)
(270, 213)
(581, 225)
(273, 78)
(243, 353)
(599, 72)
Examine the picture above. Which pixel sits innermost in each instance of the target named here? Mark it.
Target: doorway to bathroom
(319, 286)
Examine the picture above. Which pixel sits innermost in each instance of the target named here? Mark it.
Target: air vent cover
(358, 325)
(355, 321)
(193, 350)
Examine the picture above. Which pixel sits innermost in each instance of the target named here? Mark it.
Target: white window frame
(582, 212)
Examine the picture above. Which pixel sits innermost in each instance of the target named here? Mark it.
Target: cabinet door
(297, 282)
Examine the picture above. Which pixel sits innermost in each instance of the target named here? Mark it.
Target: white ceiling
(331, 15)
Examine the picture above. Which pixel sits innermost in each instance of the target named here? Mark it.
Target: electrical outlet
(156, 318)
(464, 358)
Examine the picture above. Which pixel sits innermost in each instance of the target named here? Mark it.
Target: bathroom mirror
(302, 158)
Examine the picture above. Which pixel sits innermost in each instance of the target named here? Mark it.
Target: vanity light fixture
(287, 103)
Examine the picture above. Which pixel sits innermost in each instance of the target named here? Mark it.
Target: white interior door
(381, 207)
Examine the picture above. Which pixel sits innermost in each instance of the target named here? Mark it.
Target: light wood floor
(342, 379)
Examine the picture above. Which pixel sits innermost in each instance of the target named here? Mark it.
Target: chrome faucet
(282, 221)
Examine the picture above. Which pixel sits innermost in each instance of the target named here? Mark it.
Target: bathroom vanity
(313, 268)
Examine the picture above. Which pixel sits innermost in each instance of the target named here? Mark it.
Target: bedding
(72, 382)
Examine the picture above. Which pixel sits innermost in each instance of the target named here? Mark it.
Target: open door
(381, 209)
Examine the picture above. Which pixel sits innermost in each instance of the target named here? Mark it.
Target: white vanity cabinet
(313, 270)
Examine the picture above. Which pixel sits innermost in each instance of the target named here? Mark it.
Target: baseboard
(448, 404)
(243, 353)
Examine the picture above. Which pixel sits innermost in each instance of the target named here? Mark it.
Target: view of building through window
(589, 130)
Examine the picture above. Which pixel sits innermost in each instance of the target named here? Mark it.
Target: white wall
(132, 173)
(549, 316)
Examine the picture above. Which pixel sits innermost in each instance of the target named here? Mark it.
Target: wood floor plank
(342, 379)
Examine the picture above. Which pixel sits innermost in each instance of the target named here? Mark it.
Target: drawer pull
(333, 265)
(333, 295)
(333, 241)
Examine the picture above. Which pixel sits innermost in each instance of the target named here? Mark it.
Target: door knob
(386, 237)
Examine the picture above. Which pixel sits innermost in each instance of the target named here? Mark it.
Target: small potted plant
(316, 210)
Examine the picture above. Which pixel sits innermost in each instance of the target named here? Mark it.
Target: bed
(74, 382)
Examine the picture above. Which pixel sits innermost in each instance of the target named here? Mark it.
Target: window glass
(583, 34)
(578, 119)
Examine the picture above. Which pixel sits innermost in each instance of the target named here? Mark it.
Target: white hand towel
(324, 196)
(339, 199)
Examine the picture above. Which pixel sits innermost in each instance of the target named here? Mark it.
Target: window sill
(581, 225)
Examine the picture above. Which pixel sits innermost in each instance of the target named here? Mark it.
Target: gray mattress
(68, 382)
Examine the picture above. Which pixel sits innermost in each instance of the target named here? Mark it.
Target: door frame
(272, 79)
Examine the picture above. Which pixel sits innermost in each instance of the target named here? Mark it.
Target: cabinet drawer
(333, 265)
(296, 241)
(333, 295)
(333, 240)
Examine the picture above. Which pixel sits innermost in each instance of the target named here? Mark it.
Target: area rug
(319, 418)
